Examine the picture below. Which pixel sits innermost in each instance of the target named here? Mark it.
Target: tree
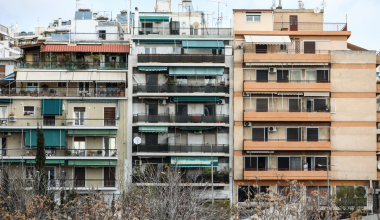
(41, 155)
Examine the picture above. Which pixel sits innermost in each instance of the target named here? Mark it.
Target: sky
(363, 18)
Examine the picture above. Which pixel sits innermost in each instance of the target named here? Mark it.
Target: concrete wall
(354, 109)
(240, 23)
(354, 168)
(353, 138)
(304, 15)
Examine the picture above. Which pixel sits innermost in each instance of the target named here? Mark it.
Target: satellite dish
(137, 140)
(323, 4)
(196, 25)
(378, 166)
(317, 10)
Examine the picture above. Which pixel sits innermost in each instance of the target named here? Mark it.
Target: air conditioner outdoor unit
(222, 102)
(240, 47)
(272, 129)
(3, 122)
(247, 124)
(378, 165)
(138, 162)
(245, 94)
(162, 101)
(272, 69)
(7, 134)
(12, 118)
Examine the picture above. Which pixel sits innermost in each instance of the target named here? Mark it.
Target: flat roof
(182, 37)
(252, 9)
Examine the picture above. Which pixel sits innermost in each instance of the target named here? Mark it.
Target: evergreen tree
(41, 155)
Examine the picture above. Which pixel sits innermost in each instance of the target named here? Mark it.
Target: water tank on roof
(102, 17)
(84, 9)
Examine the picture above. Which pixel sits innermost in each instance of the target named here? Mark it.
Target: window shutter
(321, 161)
(292, 134)
(262, 105)
(262, 75)
(309, 47)
(294, 105)
(322, 75)
(2, 69)
(312, 134)
(109, 113)
(283, 162)
(258, 134)
(250, 162)
(319, 104)
(79, 139)
(282, 75)
(79, 109)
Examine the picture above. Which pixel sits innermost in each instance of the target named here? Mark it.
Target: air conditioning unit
(7, 134)
(240, 47)
(245, 94)
(12, 118)
(162, 101)
(3, 122)
(272, 129)
(378, 165)
(138, 162)
(247, 124)
(272, 70)
(197, 132)
(222, 102)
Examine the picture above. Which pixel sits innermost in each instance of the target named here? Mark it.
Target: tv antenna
(323, 6)
(218, 10)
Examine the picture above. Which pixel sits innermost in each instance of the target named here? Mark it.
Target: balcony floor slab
(181, 154)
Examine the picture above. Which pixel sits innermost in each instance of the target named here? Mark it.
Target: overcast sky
(363, 15)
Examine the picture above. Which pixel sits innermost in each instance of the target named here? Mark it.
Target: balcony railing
(180, 88)
(64, 152)
(287, 81)
(167, 148)
(190, 179)
(70, 183)
(73, 65)
(180, 118)
(286, 140)
(309, 26)
(286, 169)
(287, 110)
(179, 58)
(29, 119)
(288, 51)
(90, 91)
(182, 31)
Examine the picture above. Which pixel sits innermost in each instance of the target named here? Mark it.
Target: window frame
(79, 119)
(312, 127)
(109, 144)
(257, 161)
(253, 18)
(31, 114)
(290, 169)
(79, 149)
(43, 119)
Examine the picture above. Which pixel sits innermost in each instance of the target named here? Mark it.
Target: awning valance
(153, 129)
(14, 130)
(145, 41)
(290, 93)
(153, 68)
(51, 107)
(96, 163)
(198, 44)
(196, 99)
(90, 132)
(196, 128)
(12, 161)
(10, 77)
(317, 94)
(154, 19)
(195, 71)
(193, 161)
(6, 101)
(72, 76)
(286, 64)
(267, 39)
(48, 161)
(98, 48)
(53, 138)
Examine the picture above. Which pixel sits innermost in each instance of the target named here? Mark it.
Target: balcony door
(109, 116)
(282, 75)
(259, 134)
(262, 105)
(262, 75)
(293, 134)
(152, 82)
(309, 47)
(79, 177)
(293, 23)
(294, 105)
(109, 177)
(322, 75)
(312, 134)
(261, 48)
(151, 139)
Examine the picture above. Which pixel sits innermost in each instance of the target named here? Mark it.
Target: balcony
(284, 56)
(286, 174)
(29, 119)
(285, 115)
(286, 144)
(74, 183)
(287, 86)
(64, 153)
(191, 179)
(159, 30)
(73, 65)
(179, 58)
(309, 26)
(180, 119)
(180, 88)
(168, 148)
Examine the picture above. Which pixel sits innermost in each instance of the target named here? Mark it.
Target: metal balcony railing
(181, 118)
(180, 88)
(309, 26)
(180, 58)
(286, 169)
(248, 50)
(70, 183)
(30, 119)
(176, 148)
(287, 81)
(286, 140)
(73, 65)
(287, 110)
(183, 31)
(190, 179)
(64, 152)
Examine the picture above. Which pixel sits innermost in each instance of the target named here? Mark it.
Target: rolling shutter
(294, 105)
(109, 113)
(309, 47)
(109, 177)
(282, 75)
(258, 134)
(319, 104)
(2, 69)
(283, 163)
(262, 75)
(79, 109)
(322, 75)
(262, 105)
(250, 162)
(321, 161)
(312, 134)
(293, 134)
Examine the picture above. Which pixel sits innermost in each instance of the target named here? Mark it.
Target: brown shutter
(2, 69)
(109, 177)
(309, 47)
(79, 109)
(109, 113)
(80, 176)
(79, 139)
(29, 108)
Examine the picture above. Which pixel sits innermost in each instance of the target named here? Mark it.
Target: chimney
(279, 5)
(300, 4)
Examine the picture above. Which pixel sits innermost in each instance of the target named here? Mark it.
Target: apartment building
(304, 102)
(75, 88)
(180, 97)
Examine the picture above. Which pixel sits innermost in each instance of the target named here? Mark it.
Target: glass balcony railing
(73, 65)
(64, 152)
(177, 148)
(179, 88)
(180, 118)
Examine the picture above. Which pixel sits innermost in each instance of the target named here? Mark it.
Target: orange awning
(102, 48)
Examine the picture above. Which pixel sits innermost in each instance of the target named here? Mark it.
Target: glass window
(147, 50)
(295, 75)
(3, 112)
(283, 47)
(28, 110)
(79, 146)
(102, 35)
(311, 75)
(110, 147)
(253, 18)
(62, 84)
(176, 50)
(295, 163)
(153, 50)
(32, 87)
(49, 120)
(79, 114)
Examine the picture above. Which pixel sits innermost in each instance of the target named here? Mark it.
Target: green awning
(153, 68)
(5, 101)
(196, 128)
(53, 138)
(14, 130)
(99, 163)
(195, 71)
(91, 132)
(12, 161)
(193, 161)
(92, 101)
(153, 129)
(157, 41)
(195, 99)
(47, 161)
(154, 19)
(197, 44)
(51, 107)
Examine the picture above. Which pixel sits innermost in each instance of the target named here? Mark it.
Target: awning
(53, 138)
(98, 48)
(48, 161)
(154, 19)
(196, 128)
(14, 130)
(196, 99)
(51, 107)
(92, 101)
(12, 161)
(198, 44)
(10, 77)
(317, 94)
(290, 93)
(195, 71)
(153, 129)
(193, 161)
(262, 93)
(6, 101)
(153, 68)
(71, 76)
(90, 132)
(99, 163)
(149, 97)
(286, 64)
(267, 39)
(157, 41)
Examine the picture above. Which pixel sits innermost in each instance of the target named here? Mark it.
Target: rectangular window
(176, 50)
(294, 105)
(293, 134)
(259, 134)
(322, 75)
(3, 113)
(262, 75)
(311, 75)
(79, 114)
(248, 192)
(28, 110)
(49, 120)
(109, 177)
(256, 163)
(80, 176)
(253, 18)
(32, 87)
(153, 50)
(296, 75)
(110, 147)
(102, 35)
(147, 50)
(283, 47)
(50, 172)
(109, 116)
(61, 85)
(79, 146)
(312, 134)
(36, 57)
(262, 105)
(2, 71)
(309, 47)
(282, 75)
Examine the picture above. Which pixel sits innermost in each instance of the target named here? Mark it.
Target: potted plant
(28, 93)
(326, 108)
(112, 64)
(34, 93)
(22, 92)
(121, 88)
(45, 87)
(12, 114)
(68, 153)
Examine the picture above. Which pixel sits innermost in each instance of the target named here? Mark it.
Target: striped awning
(10, 77)
(153, 68)
(153, 129)
(195, 71)
(196, 99)
(193, 161)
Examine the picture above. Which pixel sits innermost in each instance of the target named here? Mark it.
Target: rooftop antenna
(218, 11)
(273, 4)
(323, 6)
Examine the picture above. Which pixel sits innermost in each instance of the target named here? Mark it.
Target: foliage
(351, 199)
(45, 87)
(96, 57)
(80, 64)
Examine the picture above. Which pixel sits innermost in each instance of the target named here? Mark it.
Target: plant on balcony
(22, 92)
(169, 79)
(378, 81)
(122, 65)
(68, 153)
(112, 64)
(80, 64)
(45, 87)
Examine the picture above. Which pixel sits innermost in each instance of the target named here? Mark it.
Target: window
(109, 175)
(253, 18)
(80, 177)
(259, 134)
(3, 146)
(313, 162)
(249, 192)
(209, 110)
(293, 134)
(50, 172)
(256, 163)
(282, 75)
(109, 116)
(79, 115)
(2, 71)
(49, 120)
(262, 75)
(3, 114)
(110, 147)
(309, 47)
(312, 134)
(181, 109)
(322, 75)
(29, 172)
(294, 105)
(295, 75)
(79, 146)
(262, 105)
(283, 47)
(32, 87)
(28, 110)
(102, 35)
(289, 163)
(176, 50)
(36, 57)
(61, 85)
(147, 50)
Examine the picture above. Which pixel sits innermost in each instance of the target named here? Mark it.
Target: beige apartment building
(304, 99)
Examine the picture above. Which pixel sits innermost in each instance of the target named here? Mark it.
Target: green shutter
(153, 129)
(196, 128)
(88, 132)
(51, 107)
(195, 71)
(153, 68)
(107, 59)
(210, 44)
(6, 101)
(48, 161)
(14, 130)
(154, 19)
(52, 138)
(157, 41)
(102, 163)
(193, 161)
(196, 99)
